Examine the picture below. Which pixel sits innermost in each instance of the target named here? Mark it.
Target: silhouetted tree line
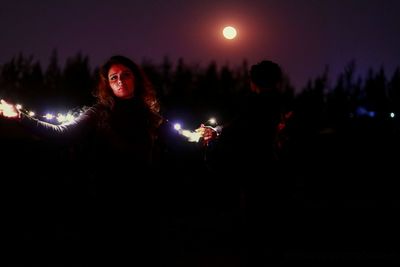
(24, 80)
(199, 90)
(334, 106)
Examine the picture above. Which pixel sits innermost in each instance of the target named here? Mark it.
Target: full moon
(229, 32)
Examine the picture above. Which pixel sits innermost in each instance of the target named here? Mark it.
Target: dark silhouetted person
(245, 157)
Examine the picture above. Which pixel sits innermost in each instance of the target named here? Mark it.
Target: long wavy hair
(144, 90)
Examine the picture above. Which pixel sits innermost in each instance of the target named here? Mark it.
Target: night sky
(302, 35)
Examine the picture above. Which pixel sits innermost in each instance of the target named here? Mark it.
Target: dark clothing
(112, 153)
(245, 156)
(247, 145)
(245, 159)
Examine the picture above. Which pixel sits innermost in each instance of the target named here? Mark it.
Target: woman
(119, 135)
(125, 118)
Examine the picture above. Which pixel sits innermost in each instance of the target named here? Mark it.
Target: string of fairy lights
(62, 118)
(8, 110)
(194, 136)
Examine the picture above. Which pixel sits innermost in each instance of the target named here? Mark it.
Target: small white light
(191, 136)
(49, 116)
(392, 114)
(212, 121)
(177, 126)
(70, 117)
(60, 117)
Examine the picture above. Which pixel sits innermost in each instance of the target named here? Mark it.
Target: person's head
(265, 76)
(121, 78)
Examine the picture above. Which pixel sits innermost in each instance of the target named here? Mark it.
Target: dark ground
(340, 207)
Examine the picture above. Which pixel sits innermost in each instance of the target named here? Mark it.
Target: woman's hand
(8, 110)
(207, 133)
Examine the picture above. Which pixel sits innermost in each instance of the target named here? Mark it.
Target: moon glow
(229, 32)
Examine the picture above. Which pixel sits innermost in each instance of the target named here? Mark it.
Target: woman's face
(122, 81)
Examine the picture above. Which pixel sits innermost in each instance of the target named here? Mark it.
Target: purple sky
(302, 35)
